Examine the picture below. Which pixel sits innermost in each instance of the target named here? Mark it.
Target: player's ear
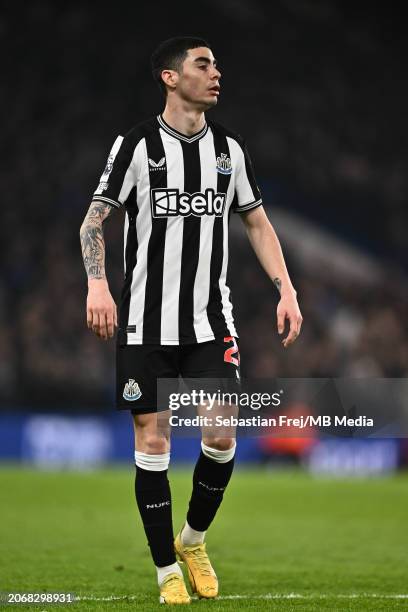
(170, 77)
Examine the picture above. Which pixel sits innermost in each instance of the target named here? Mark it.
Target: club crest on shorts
(132, 391)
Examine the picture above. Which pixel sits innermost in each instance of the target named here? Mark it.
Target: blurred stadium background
(319, 91)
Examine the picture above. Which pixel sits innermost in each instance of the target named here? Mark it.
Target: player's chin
(210, 101)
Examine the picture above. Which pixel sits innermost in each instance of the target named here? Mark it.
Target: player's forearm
(92, 240)
(267, 247)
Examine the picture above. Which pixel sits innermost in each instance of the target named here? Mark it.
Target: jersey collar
(165, 126)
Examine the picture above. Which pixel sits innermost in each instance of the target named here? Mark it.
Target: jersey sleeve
(119, 175)
(247, 191)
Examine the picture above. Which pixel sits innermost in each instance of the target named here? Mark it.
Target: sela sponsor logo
(224, 164)
(132, 391)
(172, 203)
(158, 505)
(160, 165)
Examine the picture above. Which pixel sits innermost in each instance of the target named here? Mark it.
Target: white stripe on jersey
(106, 173)
(202, 325)
(143, 231)
(125, 239)
(112, 156)
(245, 195)
(173, 246)
(225, 290)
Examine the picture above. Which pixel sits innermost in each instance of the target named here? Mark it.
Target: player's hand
(288, 308)
(101, 313)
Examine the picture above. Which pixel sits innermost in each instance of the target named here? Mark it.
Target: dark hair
(170, 55)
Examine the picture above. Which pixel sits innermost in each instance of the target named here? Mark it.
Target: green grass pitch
(282, 541)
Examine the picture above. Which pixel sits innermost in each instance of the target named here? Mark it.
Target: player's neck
(188, 121)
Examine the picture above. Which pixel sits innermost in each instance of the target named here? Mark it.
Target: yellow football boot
(173, 590)
(200, 572)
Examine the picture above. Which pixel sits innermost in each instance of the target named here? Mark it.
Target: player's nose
(216, 74)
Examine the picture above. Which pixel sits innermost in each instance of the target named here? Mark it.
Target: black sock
(210, 480)
(153, 498)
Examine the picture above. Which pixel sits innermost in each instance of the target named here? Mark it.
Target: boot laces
(173, 583)
(201, 560)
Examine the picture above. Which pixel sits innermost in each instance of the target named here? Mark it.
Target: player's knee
(221, 444)
(153, 445)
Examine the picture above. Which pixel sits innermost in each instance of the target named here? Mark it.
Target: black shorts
(138, 366)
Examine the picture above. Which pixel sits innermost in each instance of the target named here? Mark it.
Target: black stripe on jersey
(130, 261)
(191, 245)
(251, 174)
(155, 250)
(214, 308)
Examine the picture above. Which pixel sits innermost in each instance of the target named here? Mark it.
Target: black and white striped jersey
(178, 192)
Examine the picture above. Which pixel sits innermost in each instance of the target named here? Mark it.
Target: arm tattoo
(92, 241)
(278, 283)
